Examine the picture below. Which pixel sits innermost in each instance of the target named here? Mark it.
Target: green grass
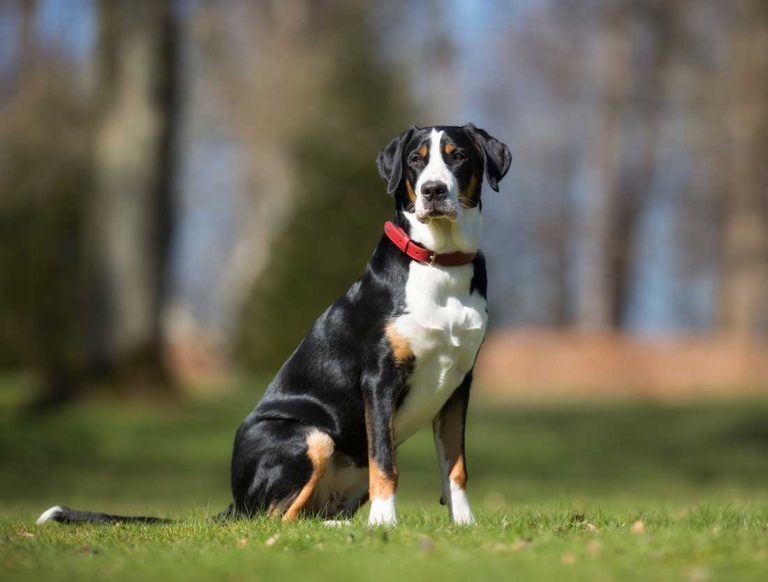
(558, 493)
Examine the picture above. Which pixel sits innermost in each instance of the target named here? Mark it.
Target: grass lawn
(585, 491)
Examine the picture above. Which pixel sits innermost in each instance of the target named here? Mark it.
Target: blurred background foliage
(45, 182)
(338, 190)
(186, 184)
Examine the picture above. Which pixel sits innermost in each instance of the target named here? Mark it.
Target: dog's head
(437, 172)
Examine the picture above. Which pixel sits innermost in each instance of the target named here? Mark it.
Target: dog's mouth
(439, 211)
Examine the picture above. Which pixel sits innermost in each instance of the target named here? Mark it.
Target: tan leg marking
(401, 347)
(450, 436)
(319, 450)
(458, 472)
(381, 485)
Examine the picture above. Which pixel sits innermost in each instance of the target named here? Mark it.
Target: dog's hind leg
(276, 467)
(319, 451)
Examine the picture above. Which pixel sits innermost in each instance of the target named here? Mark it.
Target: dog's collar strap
(418, 253)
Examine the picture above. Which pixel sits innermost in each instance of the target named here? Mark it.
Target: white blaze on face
(437, 171)
(462, 230)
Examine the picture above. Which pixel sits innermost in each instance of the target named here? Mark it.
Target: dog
(391, 355)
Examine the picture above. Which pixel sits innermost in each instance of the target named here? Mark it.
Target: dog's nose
(434, 191)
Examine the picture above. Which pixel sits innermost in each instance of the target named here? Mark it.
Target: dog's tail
(66, 515)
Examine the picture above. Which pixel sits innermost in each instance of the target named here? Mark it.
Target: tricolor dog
(391, 355)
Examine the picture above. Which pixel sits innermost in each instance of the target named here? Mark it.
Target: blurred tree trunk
(633, 68)
(131, 215)
(596, 284)
(744, 259)
(650, 80)
(266, 108)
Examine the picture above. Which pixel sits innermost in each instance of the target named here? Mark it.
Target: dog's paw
(382, 512)
(461, 514)
(463, 518)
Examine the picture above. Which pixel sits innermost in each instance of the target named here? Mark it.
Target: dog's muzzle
(436, 202)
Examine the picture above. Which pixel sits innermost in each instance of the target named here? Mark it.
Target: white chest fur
(445, 325)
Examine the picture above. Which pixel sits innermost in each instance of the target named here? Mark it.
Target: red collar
(418, 253)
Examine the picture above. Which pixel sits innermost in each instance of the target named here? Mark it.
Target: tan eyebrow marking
(423, 151)
(450, 148)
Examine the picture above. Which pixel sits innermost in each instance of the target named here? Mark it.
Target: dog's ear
(390, 160)
(495, 154)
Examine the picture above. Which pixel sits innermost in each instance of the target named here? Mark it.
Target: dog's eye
(457, 156)
(415, 160)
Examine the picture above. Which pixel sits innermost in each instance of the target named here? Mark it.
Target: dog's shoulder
(338, 345)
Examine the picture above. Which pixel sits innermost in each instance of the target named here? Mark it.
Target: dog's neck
(446, 236)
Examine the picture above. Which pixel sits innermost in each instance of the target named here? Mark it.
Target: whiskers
(467, 202)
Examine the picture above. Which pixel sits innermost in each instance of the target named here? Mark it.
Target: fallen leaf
(242, 542)
(271, 541)
(426, 544)
(698, 574)
(26, 534)
(638, 527)
(521, 544)
(590, 527)
(594, 548)
(568, 558)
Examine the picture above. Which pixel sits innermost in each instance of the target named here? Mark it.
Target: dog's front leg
(448, 429)
(382, 468)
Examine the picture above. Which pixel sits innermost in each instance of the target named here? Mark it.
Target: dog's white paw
(463, 517)
(461, 514)
(49, 514)
(382, 512)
